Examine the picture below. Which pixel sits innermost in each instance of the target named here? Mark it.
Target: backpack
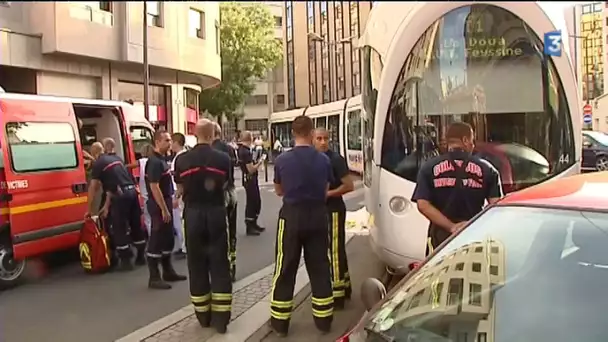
(93, 247)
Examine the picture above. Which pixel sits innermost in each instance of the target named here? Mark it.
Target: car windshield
(600, 137)
(514, 274)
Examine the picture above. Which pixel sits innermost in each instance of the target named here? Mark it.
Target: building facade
(322, 63)
(95, 50)
(269, 94)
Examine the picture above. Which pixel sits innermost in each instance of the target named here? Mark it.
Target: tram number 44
(564, 159)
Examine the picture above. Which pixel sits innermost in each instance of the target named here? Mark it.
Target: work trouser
(254, 200)
(161, 238)
(301, 227)
(125, 218)
(207, 244)
(337, 252)
(231, 207)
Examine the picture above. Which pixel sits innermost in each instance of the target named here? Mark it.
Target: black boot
(251, 229)
(259, 228)
(169, 273)
(140, 259)
(125, 264)
(204, 319)
(155, 281)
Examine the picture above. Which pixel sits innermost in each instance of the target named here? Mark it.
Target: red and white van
(43, 179)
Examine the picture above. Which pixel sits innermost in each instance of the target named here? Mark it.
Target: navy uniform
(160, 244)
(303, 174)
(124, 208)
(231, 204)
(252, 191)
(337, 232)
(203, 173)
(457, 183)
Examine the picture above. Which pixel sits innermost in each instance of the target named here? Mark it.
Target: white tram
(428, 64)
(341, 118)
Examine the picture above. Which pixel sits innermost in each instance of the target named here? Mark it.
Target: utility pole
(145, 62)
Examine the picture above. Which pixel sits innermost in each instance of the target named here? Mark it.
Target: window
(258, 126)
(141, 136)
(459, 266)
(597, 7)
(312, 54)
(282, 132)
(354, 130)
(320, 122)
(333, 127)
(154, 13)
(586, 9)
(217, 37)
(421, 110)
(280, 99)
(354, 53)
(254, 100)
(191, 98)
(372, 69)
(196, 23)
(291, 82)
(41, 146)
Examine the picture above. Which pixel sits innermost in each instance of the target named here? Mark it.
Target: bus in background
(426, 65)
(341, 118)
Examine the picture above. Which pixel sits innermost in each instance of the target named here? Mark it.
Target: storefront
(159, 114)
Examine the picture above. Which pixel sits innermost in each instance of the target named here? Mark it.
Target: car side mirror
(372, 291)
(586, 144)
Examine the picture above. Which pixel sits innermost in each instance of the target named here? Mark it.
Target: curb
(249, 322)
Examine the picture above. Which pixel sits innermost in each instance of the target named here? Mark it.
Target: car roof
(585, 191)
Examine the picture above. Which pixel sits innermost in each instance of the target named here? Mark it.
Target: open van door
(46, 188)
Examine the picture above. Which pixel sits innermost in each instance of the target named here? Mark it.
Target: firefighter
(231, 199)
(110, 173)
(159, 186)
(249, 169)
(201, 176)
(341, 184)
(178, 147)
(302, 178)
(451, 188)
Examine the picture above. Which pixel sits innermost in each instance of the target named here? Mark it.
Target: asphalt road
(69, 306)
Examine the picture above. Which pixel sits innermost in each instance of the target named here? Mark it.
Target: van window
(141, 136)
(41, 146)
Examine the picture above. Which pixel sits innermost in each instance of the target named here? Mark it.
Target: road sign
(587, 109)
(553, 43)
(587, 118)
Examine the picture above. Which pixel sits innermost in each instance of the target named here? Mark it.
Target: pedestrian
(302, 177)
(201, 176)
(159, 186)
(146, 151)
(342, 184)
(178, 146)
(451, 188)
(112, 176)
(249, 168)
(231, 199)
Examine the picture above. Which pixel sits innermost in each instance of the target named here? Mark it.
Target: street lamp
(315, 37)
(145, 64)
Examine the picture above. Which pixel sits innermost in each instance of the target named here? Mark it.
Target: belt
(127, 187)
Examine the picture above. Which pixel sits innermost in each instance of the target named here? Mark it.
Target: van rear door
(45, 178)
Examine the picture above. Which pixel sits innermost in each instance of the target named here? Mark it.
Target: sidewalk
(251, 307)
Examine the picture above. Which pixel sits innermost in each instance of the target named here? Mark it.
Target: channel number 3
(554, 43)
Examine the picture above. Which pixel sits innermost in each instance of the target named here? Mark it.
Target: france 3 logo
(553, 43)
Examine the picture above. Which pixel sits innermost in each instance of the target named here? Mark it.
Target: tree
(248, 49)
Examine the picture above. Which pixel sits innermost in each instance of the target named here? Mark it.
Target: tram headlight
(399, 204)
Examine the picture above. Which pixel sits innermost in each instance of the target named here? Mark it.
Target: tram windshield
(482, 65)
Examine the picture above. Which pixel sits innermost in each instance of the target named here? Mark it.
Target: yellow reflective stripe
(200, 299)
(221, 296)
(204, 308)
(282, 305)
(339, 293)
(435, 295)
(430, 245)
(334, 246)
(322, 313)
(323, 301)
(228, 238)
(43, 205)
(220, 307)
(280, 315)
(279, 262)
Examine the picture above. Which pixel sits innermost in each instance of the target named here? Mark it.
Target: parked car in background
(595, 151)
(533, 267)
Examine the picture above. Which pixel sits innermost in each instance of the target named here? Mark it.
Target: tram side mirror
(372, 291)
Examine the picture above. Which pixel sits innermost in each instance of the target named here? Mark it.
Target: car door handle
(79, 188)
